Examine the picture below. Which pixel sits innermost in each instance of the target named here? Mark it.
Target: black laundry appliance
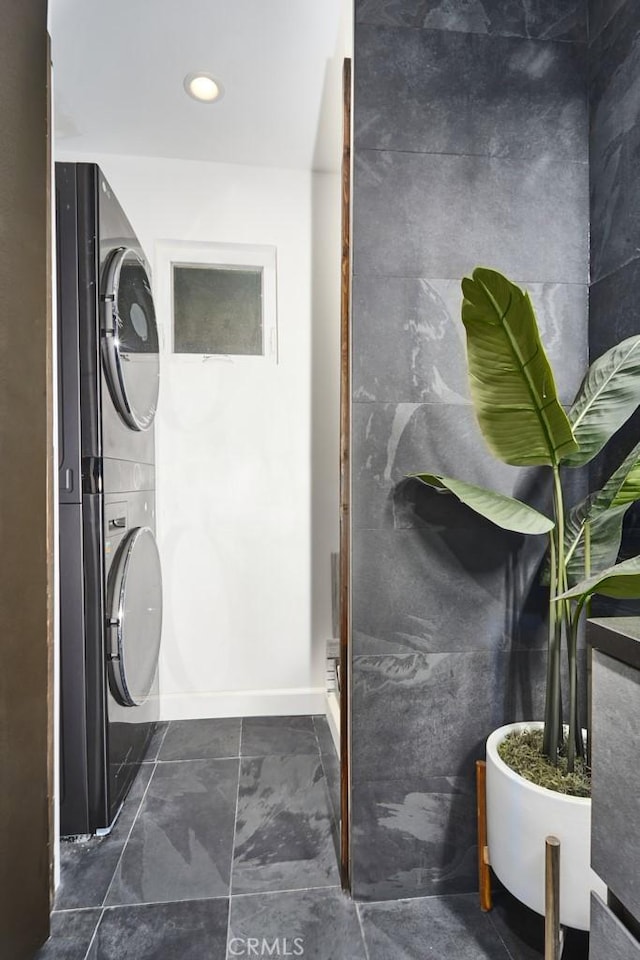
(110, 577)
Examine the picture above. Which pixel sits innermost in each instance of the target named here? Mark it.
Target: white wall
(247, 592)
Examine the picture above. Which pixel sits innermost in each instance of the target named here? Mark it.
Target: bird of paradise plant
(516, 402)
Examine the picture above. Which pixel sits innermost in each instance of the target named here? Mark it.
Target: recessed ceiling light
(203, 87)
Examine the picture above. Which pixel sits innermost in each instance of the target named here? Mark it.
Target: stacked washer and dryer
(110, 578)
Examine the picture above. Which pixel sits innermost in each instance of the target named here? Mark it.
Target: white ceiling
(119, 67)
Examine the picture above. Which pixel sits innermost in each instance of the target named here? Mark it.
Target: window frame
(170, 253)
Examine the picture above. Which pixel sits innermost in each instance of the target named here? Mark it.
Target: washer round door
(130, 352)
(135, 619)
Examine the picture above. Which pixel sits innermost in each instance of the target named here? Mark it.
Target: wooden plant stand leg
(484, 873)
(553, 934)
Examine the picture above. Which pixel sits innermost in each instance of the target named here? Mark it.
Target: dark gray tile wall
(470, 147)
(614, 94)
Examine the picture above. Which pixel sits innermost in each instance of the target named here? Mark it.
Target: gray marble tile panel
(181, 844)
(438, 927)
(457, 586)
(409, 341)
(543, 19)
(615, 843)
(316, 924)
(435, 91)
(392, 441)
(201, 739)
(284, 826)
(156, 742)
(262, 736)
(613, 309)
(610, 939)
(600, 13)
(87, 867)
(414, 838)
(425, 215)
(615, 142)
(417, 715)
(190, 930)
(71, 934)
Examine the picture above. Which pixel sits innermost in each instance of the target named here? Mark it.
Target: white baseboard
(332, 710)
(245, 703)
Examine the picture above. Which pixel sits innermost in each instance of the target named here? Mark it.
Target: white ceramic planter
(520, 815)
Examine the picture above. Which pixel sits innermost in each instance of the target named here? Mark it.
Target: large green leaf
(605, 536)
(609, 394)
(512, 383)
(624, 485)
(622, 581)
(604, 511)
(504, 511)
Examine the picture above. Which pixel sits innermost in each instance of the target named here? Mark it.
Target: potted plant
(537, 775)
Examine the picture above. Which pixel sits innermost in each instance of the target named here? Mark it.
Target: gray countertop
(619, 637)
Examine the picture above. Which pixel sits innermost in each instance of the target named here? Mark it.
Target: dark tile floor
(226, 847)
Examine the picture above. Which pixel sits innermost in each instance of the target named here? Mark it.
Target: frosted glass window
(218, 309)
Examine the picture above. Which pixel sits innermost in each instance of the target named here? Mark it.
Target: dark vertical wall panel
(614, 93)
(471, 147)
(25, 452)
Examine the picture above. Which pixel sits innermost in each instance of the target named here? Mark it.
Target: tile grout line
(362, 934)
(274, 893)
(522, 159)
(135, 820)
(161, 744)
(421, 28)
(233, 842)
(95, 934)
(494, 925)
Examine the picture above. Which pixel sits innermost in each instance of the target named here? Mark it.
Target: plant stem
(552, 719)
(559, 614)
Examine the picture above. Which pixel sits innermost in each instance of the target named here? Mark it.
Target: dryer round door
(130, 338)
(135, 618)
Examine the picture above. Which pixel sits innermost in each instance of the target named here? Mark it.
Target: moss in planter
(522, 751)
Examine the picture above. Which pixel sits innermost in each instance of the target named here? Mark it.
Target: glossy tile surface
(71, 934)
(156, 742)
(471, 148)
(432, 91)
(544, 19)
(600, 13)
(88, 866)
(414, 837)
(426, 697)
(409, 601)
(262, 736)
(409, 341)
(195, 930)
(392, 441)
(615, 141)
(527, 218)
(181, 845)
(439, 927)
(201, 739)
(316, 924)
(284, 826)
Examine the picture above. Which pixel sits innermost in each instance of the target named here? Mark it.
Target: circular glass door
(130, 339)
(135, 605)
